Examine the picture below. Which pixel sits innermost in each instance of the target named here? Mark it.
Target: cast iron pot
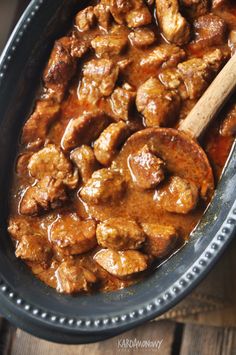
(24, 300)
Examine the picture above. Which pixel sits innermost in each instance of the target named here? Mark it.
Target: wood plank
(202, 340)
(162, 331)
(6, 335)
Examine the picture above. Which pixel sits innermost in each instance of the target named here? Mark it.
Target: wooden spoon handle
(211, 101)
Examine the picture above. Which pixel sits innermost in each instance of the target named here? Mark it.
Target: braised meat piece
(177, 195)
(54, 174)
(84, 129)
(165, 55)
(172, 79)
(105, 185)
(102, 12)
(22, 164)
(172, 24)
(146, 169)
(232, 41)
(134, 13)
(70, 235)
(34, 248)
(47, 194)
(142, 37)
(109, 142)
(159, 106)
(51, 162)
(195, 8)
(109, 45)
(228, 127)
(36, 127)
(210, 30)
(18, 226)
(124, 64)
(99, 79)
(197, 73)
(78, 47)
(160, 240)
(61, 66)
(73, 278)
(121, 263)
(217, 4)
(85, 160)
(122, 100)
(215, 59)
(120, 234)
(85, 19)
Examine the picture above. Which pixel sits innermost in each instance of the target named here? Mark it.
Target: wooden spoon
(179, 148)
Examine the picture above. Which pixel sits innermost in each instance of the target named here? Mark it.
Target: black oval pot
(28, 303)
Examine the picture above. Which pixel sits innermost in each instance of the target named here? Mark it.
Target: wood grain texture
(200, 340)
(6, 335)
(25, 344)
(211, 101)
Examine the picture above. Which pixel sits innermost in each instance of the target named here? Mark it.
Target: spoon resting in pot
(179, 148)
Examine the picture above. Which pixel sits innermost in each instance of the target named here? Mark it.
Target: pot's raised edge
(42, 323)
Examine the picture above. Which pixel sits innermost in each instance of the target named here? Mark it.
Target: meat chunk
(105, 185)
(73, 278)
(210, 30)
(160, 240)
(85, 160)
(195, 8)
(47, 194)
(165, 55)
(84, 129)
(172, 24)
(54, 174)
(228, 127)
(85, 19)
(217, 4)
(122, 100)
(109, 45)
(22, 164)
(36, 128)
(78, 47)
(109, 142)
(232, 41)
(124, 64)
(197, 73)
(134, 13)
(177, 195)
(172, 80)
(121, 263)
(51, 162)
(69, 235)
(99, 79)
(34, 248)
(146, 169)
(142, 37)
(19, 226)
(61, 66)
(120, 234)
(159, 106)
(102, 12)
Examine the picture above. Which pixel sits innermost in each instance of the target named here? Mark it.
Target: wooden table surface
(163, 337)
